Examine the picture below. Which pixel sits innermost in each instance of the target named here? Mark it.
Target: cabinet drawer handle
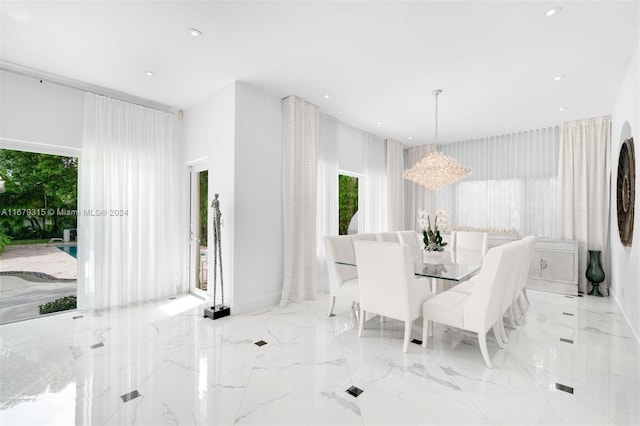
(543, 264)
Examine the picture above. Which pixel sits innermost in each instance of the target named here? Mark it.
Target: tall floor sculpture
(217, 311)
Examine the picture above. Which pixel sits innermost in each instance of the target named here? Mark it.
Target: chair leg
(515, 313)
(482, 338)
(503, 332)
(331, 305)
(497, 335)
(407, 335)
(425, 333)
(363, 314)
(522, 303)
(511, 317)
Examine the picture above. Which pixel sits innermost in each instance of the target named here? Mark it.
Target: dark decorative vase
(595, 273)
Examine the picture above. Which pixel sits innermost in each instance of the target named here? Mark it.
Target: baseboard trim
(256, 303)
(614, 294)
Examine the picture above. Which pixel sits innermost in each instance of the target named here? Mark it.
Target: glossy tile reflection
(162, 363)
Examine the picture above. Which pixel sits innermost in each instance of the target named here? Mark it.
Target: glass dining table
(443, 269)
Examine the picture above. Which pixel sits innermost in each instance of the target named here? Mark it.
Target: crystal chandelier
(436, 171)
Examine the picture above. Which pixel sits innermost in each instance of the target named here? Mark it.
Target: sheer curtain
(417, 196)
(584, 174)
(300, 131)
(513, 184)
(395, 185)
(128, 214)
(327, 220)
(373, 212)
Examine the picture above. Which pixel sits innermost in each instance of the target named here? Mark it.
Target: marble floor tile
(299, 408)
(156, 410)
(58, 410)
(514, 407)
(573, 410)
(191, 370)
(621, 405)
(427, 407)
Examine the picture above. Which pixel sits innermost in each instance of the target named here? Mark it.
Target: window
(38, 218)
(513, 185)
(347, 204)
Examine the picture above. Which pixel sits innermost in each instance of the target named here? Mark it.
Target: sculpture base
(217, 311)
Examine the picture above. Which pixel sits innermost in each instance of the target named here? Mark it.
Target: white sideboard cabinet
(554, 267)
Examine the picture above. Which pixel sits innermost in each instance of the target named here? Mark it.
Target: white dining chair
(388, 286)
(479, 311)
(413, 241)
(364, 236)
(469, 247)
(520, 293)
(343, 279)
(510, 287)
(390, 237)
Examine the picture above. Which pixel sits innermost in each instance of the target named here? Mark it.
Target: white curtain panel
(417, 196)
(373, 213)
(584, 189)
(128, 190)
(512, 186)
(300, 134)
(395, 185)
(327, 203)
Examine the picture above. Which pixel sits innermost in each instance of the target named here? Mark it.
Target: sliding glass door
(198, 229)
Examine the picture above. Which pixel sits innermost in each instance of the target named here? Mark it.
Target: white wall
(625, 262)
(209, 133)
(34, 114)
(259, 246)
(238, 131)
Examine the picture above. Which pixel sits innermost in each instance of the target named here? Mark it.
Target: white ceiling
(379, 61)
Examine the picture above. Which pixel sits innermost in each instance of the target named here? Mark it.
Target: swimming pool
(70, 250)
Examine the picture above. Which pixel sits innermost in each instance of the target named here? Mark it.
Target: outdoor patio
(39, 258)
(42, 274)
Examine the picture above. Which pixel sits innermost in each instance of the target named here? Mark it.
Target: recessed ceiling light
(562, 109)
(559, 77)
(194, 32)
(410, 137)
(553, 11)
(148, 73)
(379, 123)
(326, 96)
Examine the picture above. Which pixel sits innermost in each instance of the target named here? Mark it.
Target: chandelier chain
(436, 118)
(436, 93)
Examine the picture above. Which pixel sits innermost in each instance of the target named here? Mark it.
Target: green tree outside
(204, 206)
(347, 201)
(41, 194)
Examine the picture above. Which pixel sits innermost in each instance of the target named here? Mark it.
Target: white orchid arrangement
(431, 236)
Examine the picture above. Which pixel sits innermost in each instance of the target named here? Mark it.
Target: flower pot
(433, 257)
